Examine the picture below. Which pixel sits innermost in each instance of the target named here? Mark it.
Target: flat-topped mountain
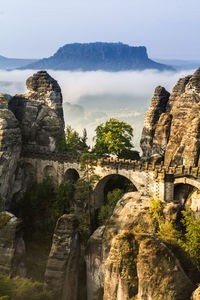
(12, 63)
(98, 56)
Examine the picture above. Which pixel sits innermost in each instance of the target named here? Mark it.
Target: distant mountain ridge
(12, 63)
(98, 56)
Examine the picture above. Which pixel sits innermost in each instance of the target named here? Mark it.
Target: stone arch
(187, 192)
(49, 171)
(108, 183)
(71, 175)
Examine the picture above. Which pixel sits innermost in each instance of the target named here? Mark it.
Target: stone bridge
(150, 179)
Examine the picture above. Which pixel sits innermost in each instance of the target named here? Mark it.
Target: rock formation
(12, 247)
(32, 122)
(171, 127)
(62, 270)
(39, 112)
(125, 260)
(10, 150)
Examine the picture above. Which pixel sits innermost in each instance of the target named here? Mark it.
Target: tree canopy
(72, 142)
(115, 138)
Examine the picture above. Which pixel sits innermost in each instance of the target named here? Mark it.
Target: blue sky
(37, 28)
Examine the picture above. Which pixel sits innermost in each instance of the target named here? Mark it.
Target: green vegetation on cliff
(188, 237)
(22, 289)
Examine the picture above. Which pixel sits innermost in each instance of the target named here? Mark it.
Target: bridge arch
(109, 183)
(71, 175)
(187, 192)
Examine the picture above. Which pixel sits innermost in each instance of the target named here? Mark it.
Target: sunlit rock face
(173, 131)
(39, 112)
(126, 261)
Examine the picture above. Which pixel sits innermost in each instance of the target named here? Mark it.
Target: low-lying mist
(91, 98)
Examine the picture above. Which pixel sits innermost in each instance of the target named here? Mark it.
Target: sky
(37, 28)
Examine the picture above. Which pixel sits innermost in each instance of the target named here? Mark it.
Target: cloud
(94, 97)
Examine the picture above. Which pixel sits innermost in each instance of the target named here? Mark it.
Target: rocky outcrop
(160, 275)
(95, 267)
(196, 294)
(40, 114)
(173, 133)
(12, 247)
(153, 116)
(10, 150)
(62, 270)
(126, 261)
(29, 123)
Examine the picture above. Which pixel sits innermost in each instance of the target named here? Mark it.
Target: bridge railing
(115, 163)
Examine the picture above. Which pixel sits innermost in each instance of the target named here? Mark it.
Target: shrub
(22, 289)
(4, 219)
(190, 240)
(164, 229)
(156, 211)
(168, 233)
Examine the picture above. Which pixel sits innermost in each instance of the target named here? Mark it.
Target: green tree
(84, 186)
(190, 240)
(114, 137)
(74, 142)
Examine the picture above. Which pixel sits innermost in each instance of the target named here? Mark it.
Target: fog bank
(93, 97)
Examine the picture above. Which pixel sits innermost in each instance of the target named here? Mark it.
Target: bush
(190, 240)
(164, 229)
(4, 219)
(156, 211)
(22, 289)
(168, 233)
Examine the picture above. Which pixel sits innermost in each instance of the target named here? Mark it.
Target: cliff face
(99, 56)
(39, 112)
(125, 260)
(32, 122)
(172, 124)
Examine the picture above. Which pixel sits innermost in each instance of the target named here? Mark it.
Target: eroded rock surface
(12, 247)
(95, 266)
(62, 270)
(172, 124)
(29, 123)
(131, 262)
(10, 150)
(40, 113)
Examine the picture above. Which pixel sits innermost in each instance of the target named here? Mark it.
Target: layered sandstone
(10, 150)
(126, 261)
(12, 247)
(39, 112)
(29, 123)
(62, 270)
(172, 132)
